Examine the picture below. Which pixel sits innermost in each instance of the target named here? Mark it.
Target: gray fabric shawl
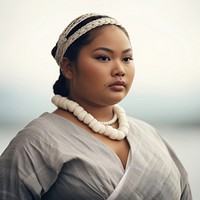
(52, 158)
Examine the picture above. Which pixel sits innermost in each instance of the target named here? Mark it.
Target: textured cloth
(52, 158)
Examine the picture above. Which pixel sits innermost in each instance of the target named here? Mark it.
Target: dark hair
(61, 86)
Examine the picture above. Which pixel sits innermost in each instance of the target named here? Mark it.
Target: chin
(117, 99)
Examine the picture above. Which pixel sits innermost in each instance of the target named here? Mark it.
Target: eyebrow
(110, 50)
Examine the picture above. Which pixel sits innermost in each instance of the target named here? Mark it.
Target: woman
(88, 148)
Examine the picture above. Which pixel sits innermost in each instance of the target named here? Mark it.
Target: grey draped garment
(54, 159)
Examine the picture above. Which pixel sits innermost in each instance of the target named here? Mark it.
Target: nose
(118, 69)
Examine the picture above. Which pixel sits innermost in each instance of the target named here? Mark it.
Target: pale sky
(166, 40)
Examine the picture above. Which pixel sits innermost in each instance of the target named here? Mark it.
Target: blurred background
(166, 40)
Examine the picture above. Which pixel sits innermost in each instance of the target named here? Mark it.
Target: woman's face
(105, 69)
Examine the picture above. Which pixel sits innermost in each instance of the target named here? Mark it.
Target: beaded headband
(64, 42)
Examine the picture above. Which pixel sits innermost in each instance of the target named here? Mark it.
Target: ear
(67, 69)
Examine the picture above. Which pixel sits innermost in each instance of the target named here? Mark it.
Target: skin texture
(100, 78)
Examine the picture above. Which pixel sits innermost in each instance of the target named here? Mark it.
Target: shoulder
(38, 137)
(47, 138)
(31, 135)
(149, 135)
(141, 126)
(44, 127)
(31, 154)
(36, 144)
(144, 133)
(44, 122)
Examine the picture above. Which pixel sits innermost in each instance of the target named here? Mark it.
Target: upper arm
(185, 187)
(27, 168)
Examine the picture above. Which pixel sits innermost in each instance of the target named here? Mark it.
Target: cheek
(131, 73)
(96, 76)
(92, 76)
(93, 72)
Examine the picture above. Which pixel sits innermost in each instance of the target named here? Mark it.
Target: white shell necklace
(112, 121)
(102, 128)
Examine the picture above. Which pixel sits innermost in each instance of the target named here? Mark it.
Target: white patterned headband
(64, 42)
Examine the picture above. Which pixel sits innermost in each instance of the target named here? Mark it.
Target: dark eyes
(103, 58)
(106, 59)
(128, 59)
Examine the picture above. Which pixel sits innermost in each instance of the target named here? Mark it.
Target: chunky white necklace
(112, 121)
(98, 127)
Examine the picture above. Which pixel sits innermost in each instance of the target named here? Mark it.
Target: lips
(117, 86)
(120, 83)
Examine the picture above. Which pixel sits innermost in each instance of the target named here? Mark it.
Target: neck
(100, 112)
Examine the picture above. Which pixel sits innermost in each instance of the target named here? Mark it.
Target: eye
(103, 58)
(127, 59)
